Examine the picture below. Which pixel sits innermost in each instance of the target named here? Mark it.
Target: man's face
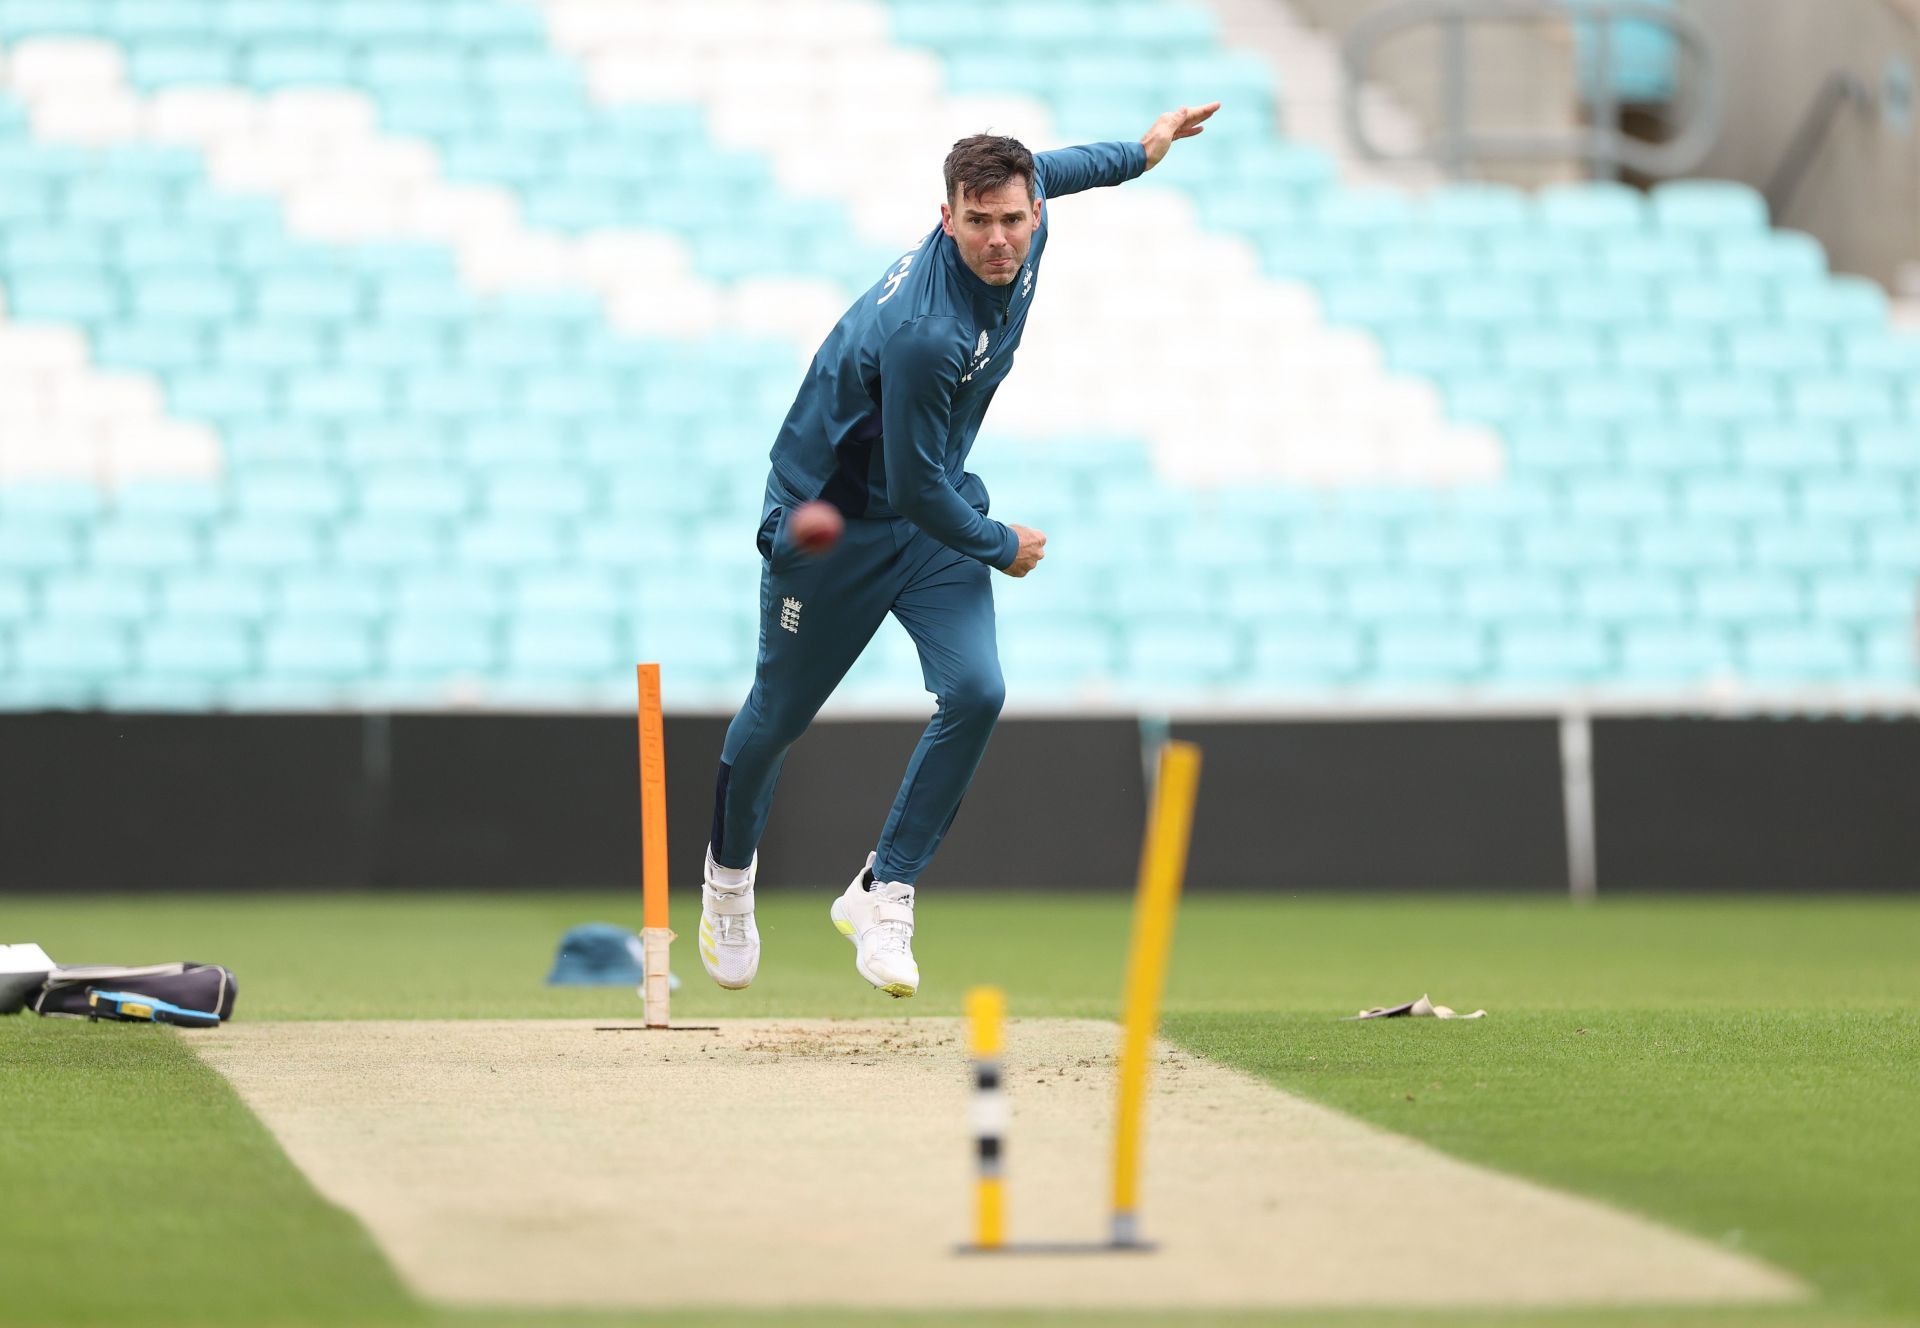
(992, 230)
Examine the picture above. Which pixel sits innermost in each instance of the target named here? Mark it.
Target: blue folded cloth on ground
(600, 954)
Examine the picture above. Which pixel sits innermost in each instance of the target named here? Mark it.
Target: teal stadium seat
(1397, 596)
(1699, 303)
(1804, 652)
(1428, 653)
(1789, 449)
(424, 593)
(414, 490)
(1675, 655)
(301, 492)
(1318, 655)
(1842, 303)
(1478, 211)
(1590, 209)
(303, 651)
(1778, 256)
(1334, 545)
(1894, 547)
(1558, 654)
(1584, 448)
(1880, 351)
(1527, 348)
(388, 346)
(564, 646)
(1854, 500)
(196, 651)
(1695, 542)
(1708, 208)
(1539, 254)
(214, 595)
(1862, 599)
(1182, 649)
(1672, 450)
(1627, 498)
(1746, 597)
(1604, 301)
(1732, 398)
(1574, 546)
(1456, 546)
(1885, 450)
(1657, 254)
(73, 651)
(147, 542)
(1782, 349)
(1888, 655)
(73, 502)
(440, 646)
(1516, 597)
(1272, 596)
(390, 542)
(1850, 397)
(1664, 350)
(630, 544)
(574, 591)
(150, 347)
(93, 597)
(266, 543)
(1805, 547)
(1613, 398)
(333, 595)
(1632, 597)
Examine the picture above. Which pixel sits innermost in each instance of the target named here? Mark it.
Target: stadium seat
(1696, 446)
(1561, 653)
(196, 651)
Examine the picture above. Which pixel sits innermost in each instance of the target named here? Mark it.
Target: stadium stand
(399, 353)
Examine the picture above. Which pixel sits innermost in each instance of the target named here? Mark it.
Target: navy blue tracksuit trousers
(816, 616)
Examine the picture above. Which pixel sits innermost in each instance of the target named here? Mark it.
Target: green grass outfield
(1745, 1069)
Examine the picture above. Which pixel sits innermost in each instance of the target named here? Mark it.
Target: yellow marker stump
(986, 1016)
(1163, 865)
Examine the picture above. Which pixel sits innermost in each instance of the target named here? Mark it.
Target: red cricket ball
(815, 527)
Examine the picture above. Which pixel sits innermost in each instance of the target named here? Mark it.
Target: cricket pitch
(828, 1163)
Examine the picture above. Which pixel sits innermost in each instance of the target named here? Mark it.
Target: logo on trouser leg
(790, 614)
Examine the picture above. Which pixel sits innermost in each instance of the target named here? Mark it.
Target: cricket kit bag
(188, 994)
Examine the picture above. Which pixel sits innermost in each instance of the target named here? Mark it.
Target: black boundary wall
(228, 802)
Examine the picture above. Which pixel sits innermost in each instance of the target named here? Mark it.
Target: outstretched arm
(1183, 123)
(1095, 165)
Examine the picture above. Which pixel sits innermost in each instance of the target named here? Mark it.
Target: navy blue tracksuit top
(888, 409)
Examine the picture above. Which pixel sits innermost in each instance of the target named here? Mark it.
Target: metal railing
(1601, 144)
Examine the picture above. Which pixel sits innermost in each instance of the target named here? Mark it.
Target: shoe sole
(844, 925)
(706, 939)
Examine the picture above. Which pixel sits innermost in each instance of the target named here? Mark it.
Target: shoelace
(893, 938)
(725, 927)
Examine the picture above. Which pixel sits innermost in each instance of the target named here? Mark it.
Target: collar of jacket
(987, 301)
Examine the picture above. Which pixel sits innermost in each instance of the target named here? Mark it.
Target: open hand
(1183, 123)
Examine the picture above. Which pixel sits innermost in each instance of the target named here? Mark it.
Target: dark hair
(984, 162)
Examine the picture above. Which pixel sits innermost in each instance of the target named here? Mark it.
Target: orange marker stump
(655, 935)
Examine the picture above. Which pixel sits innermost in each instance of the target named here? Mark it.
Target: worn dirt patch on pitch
(790, 1162)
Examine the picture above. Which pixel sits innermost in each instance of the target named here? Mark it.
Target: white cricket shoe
(729, 940)
(879, 922)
